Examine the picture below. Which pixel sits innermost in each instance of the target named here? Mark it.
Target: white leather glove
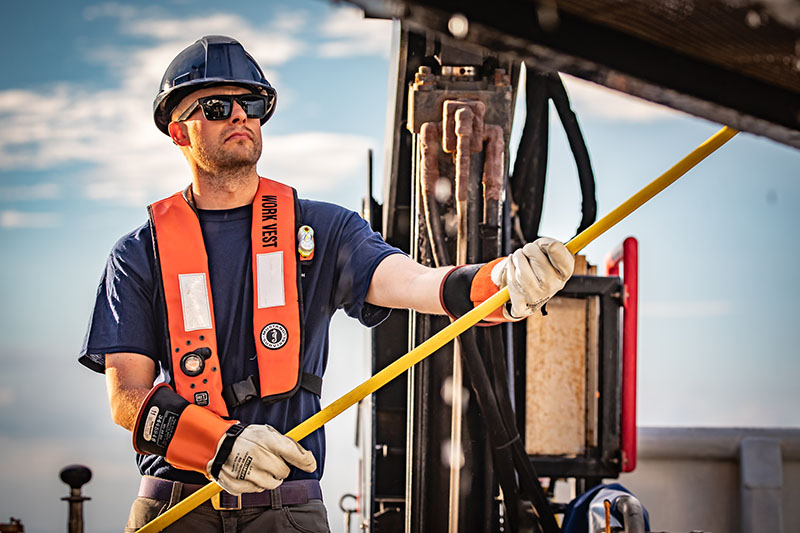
(259, 460)
(533, 273)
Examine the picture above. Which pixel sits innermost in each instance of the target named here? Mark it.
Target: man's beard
(225, 162)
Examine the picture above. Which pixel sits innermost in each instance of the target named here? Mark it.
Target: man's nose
(237, 113)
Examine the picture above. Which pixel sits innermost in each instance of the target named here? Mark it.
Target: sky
(80, 158)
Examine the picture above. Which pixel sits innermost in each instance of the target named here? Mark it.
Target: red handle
(628, 255)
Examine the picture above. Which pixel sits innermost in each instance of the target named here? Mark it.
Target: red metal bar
(628, 255)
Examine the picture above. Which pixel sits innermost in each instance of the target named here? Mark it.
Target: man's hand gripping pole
(459, 326)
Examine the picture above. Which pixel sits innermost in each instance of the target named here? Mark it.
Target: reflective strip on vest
(183, 263)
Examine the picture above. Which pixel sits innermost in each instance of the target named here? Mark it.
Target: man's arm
(533, 274)
(241, 458)
(400, 282)
(129, 378)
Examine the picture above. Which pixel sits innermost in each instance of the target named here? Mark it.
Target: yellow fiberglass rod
(459, 326)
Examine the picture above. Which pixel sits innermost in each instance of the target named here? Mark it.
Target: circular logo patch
(274, 336)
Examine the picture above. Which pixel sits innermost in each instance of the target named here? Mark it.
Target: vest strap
(243, 391)
(312, 383)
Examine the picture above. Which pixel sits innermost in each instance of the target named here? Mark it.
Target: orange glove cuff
(186, 434)
(466, 286)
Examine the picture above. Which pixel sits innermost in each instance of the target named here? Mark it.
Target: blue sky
(80, 158)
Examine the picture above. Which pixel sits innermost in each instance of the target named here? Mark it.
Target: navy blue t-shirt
(127, 316)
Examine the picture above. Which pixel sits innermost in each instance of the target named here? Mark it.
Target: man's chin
(238, 158)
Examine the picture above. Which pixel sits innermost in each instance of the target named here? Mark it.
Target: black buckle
(240, 392)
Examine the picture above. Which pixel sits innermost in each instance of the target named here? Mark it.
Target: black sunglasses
(220, 106)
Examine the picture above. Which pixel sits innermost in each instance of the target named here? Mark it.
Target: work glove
(533, 274)
(258, 459)
(240, 458)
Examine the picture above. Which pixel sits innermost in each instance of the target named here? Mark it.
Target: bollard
(75, 476)
(348, 512)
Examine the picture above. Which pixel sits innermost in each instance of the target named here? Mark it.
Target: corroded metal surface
(556, 384)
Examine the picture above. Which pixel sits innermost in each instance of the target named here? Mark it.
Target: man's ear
(177, 131)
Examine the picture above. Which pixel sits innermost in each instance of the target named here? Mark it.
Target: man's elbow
(125, 407)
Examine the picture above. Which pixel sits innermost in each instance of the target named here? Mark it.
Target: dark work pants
(310, 517)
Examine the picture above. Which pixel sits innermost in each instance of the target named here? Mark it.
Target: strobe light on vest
(305, 243)
(193, 363)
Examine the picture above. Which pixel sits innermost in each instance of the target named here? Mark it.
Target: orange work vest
(183, 267)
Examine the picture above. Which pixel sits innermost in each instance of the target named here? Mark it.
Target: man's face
(226, 144)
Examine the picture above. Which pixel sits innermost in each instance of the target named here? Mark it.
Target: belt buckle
(217, 505)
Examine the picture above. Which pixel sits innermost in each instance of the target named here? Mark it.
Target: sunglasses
(220, 107)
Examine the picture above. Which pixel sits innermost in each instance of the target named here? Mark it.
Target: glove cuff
(454, 290)
(185, 434)
(467, 286)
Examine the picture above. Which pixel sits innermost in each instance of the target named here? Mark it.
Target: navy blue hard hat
(212, 60)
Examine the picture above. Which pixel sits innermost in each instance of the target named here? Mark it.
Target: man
(211, 321)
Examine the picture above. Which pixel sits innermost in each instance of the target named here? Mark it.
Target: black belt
(295, 492)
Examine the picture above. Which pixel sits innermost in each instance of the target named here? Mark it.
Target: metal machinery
(441, 449)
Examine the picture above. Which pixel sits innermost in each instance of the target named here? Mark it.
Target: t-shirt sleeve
(122, 318)
(360, 252)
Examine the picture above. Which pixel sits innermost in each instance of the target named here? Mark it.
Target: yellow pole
(459, 326)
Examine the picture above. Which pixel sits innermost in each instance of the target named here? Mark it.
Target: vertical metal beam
(761, 479)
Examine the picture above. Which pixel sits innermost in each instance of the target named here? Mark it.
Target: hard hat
(212, 60)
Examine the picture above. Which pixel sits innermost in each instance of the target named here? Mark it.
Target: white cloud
(112, 130)
(687, 309)
(313, 159)
(20, 219)
(595, 100)
(21, 193)
(350, 34)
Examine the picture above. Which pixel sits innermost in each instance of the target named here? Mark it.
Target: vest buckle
(240, 392)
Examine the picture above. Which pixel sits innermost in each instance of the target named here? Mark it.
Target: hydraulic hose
(457, 327)
(558, 93)
(530, 165)
(498, 435)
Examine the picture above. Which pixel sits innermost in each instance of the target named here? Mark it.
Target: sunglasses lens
(254, 106)
(220, 107)
(216, 108)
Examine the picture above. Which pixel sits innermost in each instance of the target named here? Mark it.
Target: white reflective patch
(149, 423)
(194, 300)
(270, 280)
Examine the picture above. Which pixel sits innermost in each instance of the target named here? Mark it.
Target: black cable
(506, 445)
(498, 438)
(558, 93)
(530, 165)
(530, 487)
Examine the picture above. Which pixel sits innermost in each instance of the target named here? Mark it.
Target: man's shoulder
(319, 210)
(137, 243)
